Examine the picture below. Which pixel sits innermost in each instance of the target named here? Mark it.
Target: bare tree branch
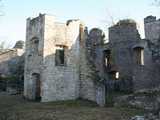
(156, 2)
(109, 19)
(4, 45)
(1, 6)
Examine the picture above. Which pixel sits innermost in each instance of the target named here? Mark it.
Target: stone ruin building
(56, 61)
(132, 62)
(63, 61)
(12, 66)
(10, 59)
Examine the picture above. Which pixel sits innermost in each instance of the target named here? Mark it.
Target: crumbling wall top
(150, 19)
(97, 36)
(96, 31)
(19, 44)
(72, 20)
(33, 19)
(126, 22)
(125, 30)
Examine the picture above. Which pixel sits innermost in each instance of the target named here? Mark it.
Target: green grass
(16, 108)
(73, 103)
(113, 94)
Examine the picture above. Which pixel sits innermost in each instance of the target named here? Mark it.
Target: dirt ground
(16, 108)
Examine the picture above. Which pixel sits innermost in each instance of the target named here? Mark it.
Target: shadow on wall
(64, 64)
(71, 76)
(61, 73)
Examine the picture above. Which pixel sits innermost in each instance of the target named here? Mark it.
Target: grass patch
(131, 111)
(112, 95)
(72, 103)
(16, 108)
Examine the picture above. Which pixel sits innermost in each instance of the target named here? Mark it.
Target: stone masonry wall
(33, 58)
(4, 59)
(61, 82)
(124, 38)
(91, 86)
(70, 81)
(152, 28)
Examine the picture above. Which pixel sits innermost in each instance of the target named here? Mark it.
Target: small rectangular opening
(114, 75)
(107, 54)
(59, 57)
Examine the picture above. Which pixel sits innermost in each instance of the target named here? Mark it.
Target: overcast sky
(94, 13)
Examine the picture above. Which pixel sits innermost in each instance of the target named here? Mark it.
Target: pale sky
(94, 13)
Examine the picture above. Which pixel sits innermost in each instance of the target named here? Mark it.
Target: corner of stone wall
(90, 88)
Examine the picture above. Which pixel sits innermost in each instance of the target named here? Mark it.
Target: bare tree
(4, 45)
(156, 2)
(1, 5)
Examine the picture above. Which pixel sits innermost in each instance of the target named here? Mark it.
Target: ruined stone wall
(9, 57)
(152, 34)
(124, 39)
(11, 68)
(96, 50)
(71, 80)
(61, 82)
(87, 86)
(33, 58)
(152, 28)
(91, 66)
(146, 76)
(4, 59)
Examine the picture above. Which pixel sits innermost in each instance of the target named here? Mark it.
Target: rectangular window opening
(139, 56)
(114, 75)
(107, 58)
(60, 56)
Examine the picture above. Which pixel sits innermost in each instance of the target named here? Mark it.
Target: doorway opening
(37, 86)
